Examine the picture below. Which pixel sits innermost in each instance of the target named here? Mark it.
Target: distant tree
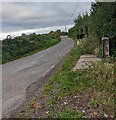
(64, 33)
(23, 34)
(51, 32)
(59, 31)
(33, 36)
(34, 33)
(9, 37)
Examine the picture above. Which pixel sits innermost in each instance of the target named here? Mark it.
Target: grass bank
(94, 89)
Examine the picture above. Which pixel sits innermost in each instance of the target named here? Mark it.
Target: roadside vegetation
(89, 93)
(100, 22)
(24, 45)
(69, 94)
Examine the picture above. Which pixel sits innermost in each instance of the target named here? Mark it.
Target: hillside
(26, 45)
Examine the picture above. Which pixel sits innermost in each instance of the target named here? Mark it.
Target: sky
(39, 17)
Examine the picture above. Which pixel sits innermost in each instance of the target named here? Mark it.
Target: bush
(88, 45)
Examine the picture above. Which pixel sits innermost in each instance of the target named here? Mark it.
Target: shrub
(88, 45)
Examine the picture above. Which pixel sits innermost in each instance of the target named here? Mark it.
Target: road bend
(19, 74)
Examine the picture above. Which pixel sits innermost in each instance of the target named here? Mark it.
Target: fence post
(105, 42)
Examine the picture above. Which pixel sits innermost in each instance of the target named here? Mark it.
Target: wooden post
(105, 42)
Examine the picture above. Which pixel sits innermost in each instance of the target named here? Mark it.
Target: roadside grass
(68, 113)
(97, 82)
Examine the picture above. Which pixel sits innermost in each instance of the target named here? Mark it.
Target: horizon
(37, 31)
(26, 17)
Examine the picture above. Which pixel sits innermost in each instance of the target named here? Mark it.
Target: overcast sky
(18, 17)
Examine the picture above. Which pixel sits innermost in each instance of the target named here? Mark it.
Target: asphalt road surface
(19, 74)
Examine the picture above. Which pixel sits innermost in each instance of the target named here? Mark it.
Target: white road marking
(29, 64)
(53, 66)
(48, 70)
(39, 57)
(67, 50)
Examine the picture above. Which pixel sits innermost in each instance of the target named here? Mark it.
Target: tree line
(101, 21)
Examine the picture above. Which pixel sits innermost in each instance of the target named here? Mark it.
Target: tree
(9, 37)
(59, 31)
(101, 21)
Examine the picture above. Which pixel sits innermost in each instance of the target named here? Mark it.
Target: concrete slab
(88, 56)
(85, 62)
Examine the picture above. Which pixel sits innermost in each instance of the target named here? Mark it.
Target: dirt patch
(38, 107)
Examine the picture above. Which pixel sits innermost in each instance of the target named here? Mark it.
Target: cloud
(20, 16)
(49, 0)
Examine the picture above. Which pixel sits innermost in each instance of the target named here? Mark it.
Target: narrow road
(19, 74)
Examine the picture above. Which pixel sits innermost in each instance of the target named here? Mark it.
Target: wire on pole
(72, 13)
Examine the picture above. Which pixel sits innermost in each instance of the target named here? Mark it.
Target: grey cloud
(21, 16)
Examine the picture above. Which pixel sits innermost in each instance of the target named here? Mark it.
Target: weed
(32, 103)
(51, 102)
(94, 103)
